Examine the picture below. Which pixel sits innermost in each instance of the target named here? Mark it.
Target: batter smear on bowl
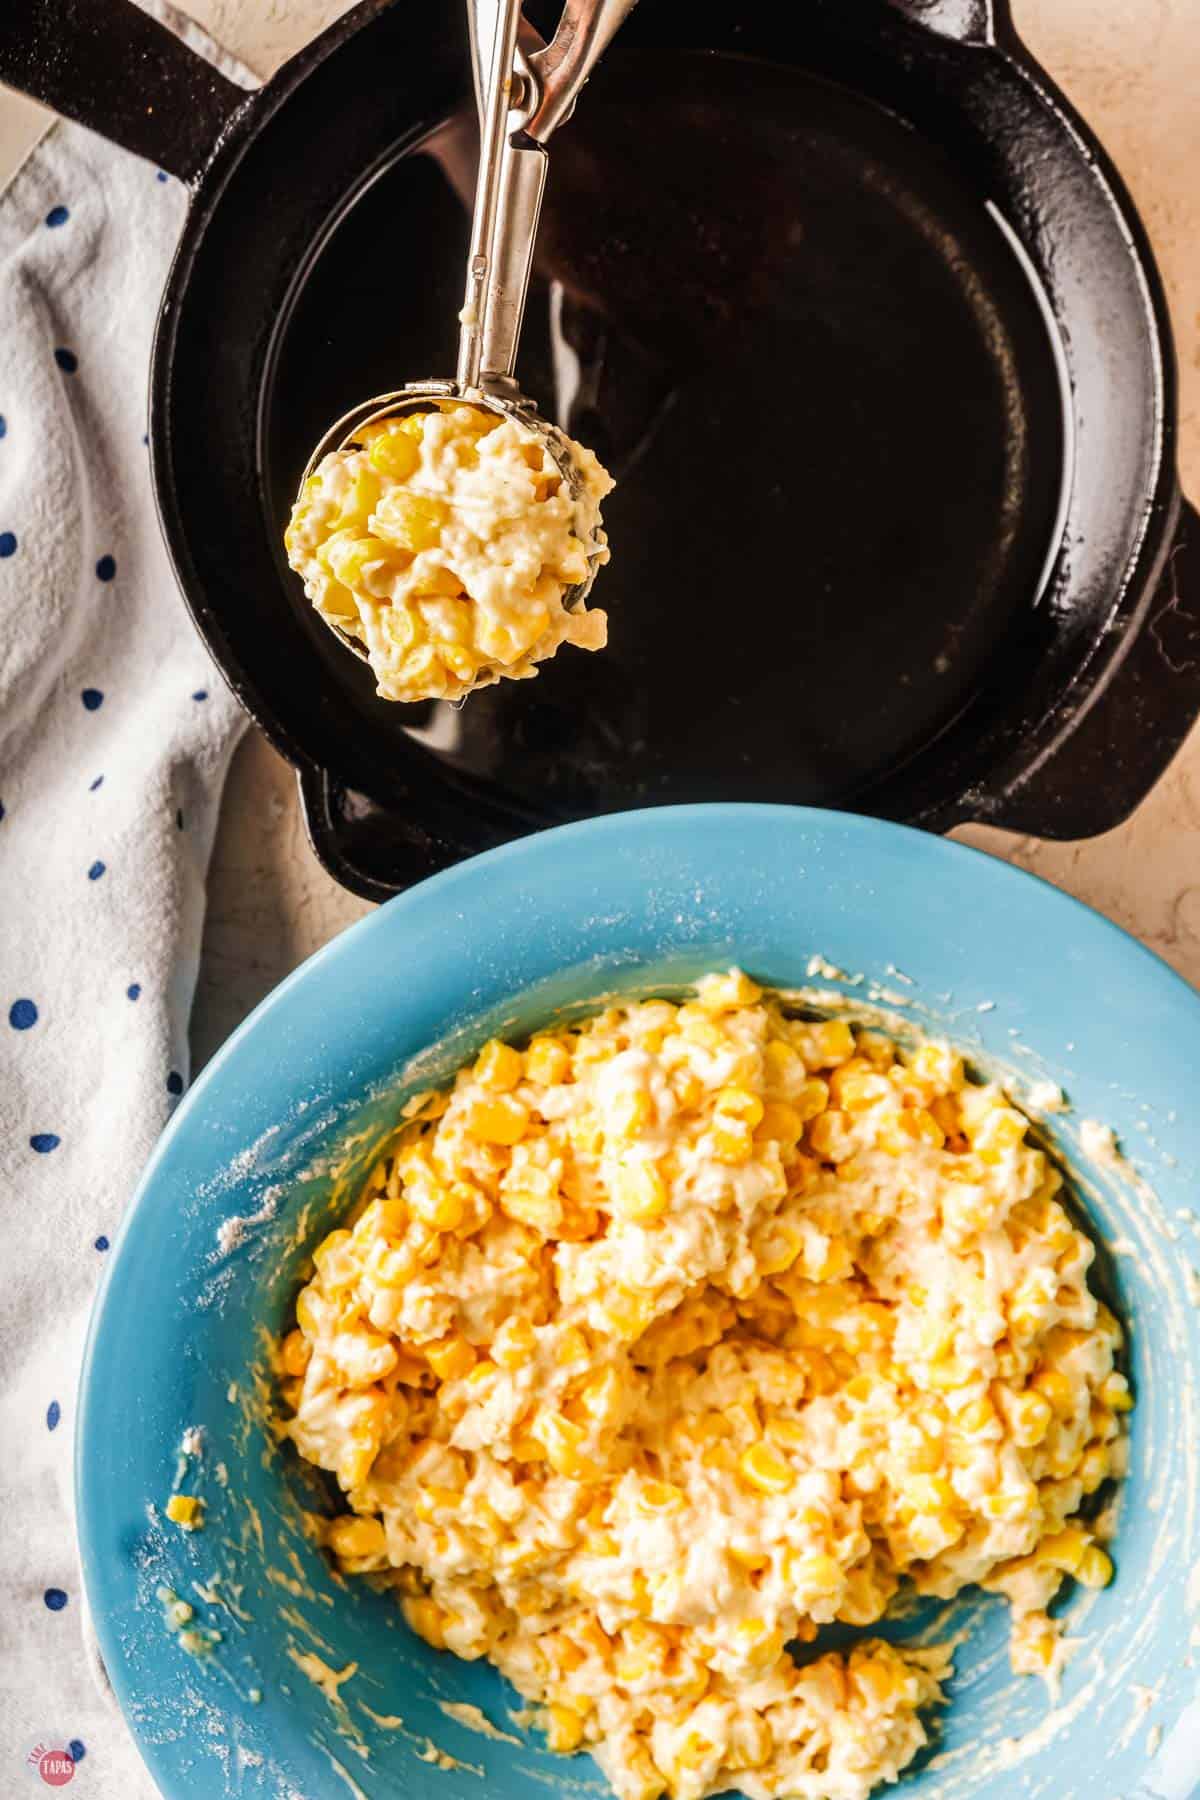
(446, 544)
(655, 1346)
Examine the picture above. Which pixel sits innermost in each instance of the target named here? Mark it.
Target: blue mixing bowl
(250, 1696)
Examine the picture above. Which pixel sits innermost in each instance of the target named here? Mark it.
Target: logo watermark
(53, 1766)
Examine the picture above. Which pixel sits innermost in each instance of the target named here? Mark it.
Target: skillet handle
(377, 851)
(1124, 742)
(967, 21)
(113, 68)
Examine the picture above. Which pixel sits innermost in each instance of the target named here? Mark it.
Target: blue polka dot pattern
(78, 1749)
(101, 1242)
(58, 215)
(96, 870)
(3, 426)
(53, 1415)
(106, 568)
(200, 694)
(93, 785)
(67, 361)
(22, 1014)
(133, 990)
(55, 1599)
(162, 174)
(92, 698)
(174, 1082)
(8, 543)
(2, 809)
(44, 1142)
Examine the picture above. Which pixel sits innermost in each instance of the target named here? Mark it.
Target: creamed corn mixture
(660, 1344)
(444, 542)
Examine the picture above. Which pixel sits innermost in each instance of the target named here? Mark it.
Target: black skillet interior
(823, 382)
(878, 357)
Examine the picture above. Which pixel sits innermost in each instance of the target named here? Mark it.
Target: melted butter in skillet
(825, 388)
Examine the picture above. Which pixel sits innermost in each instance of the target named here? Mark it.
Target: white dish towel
(115, 735)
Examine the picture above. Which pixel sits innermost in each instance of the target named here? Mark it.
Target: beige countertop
(1133, 69)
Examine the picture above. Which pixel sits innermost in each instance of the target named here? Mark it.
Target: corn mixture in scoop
(446, 543)
(654, 1347)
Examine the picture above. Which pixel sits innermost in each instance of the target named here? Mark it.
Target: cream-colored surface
(650, 1350)
(446, 542)
(1134, 72)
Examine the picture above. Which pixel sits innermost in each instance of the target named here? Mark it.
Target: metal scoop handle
(525, 90)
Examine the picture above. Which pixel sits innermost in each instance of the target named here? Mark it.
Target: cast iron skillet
(852, 303)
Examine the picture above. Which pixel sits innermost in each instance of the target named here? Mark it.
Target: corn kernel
(978, 1416)
(501, 1120)
(856, 1086)
(563, 1442)
(586, 1134)
(780, 1122)
(1064, 1550)
(937, 1067)
(779, 1250)
(514, 1343)
(436, 1502)
(700, 1030)
(601, 1397)
(999, 1134)
(751, 1742)
(542, 1212)
(628, 1114)
(739, 1103)
(388, 1266)
(875, 1679)
(764, 1468)
(832, 1260)
(571, 1348)
(723, 993)
(414, 521)
(394, 453)
(1056, 1388)
(1095, 1568)
(357, 1538)
(814, 1575)
(186, 1510)
(546, 1062)
(336, 1268)
(780, 1060)
(295, 1353)
(659, 1497)
(498, 1067)
(578, 1222)
(451, 1358)
(1094, 1466)
(732, 1140)
(1009, 1503)
(753, 1561)
(428, 1619)
(1030, 1415)
(1116, 1395)
(360, 499)
(442, 1209)
(638, 1193)
(833, 1042)
(829, 1136)
(348, 556)
(564, 1729)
